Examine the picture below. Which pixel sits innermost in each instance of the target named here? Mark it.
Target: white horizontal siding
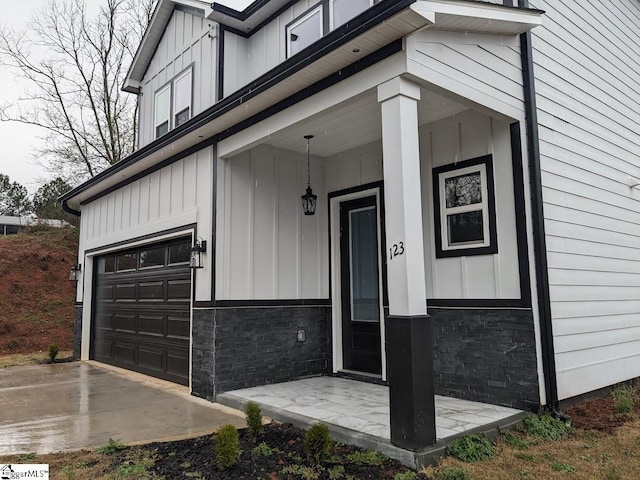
(482, 70)
(588, 96)
(267, 248)
(188, 40)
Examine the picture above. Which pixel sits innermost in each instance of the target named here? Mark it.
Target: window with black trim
(182, 98)
(464, 208)
(306, 30)
(173, 103)
(163, 110)
(344, 10)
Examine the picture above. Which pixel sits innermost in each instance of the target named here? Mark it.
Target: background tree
(73, 66)
(45, 201)
(14, 198)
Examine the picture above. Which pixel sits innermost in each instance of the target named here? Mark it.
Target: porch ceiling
(354, 123)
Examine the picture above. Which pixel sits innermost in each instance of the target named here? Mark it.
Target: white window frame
(307, 16)
(175, 111)
(332, 13)
(489, 244)
(156, 123)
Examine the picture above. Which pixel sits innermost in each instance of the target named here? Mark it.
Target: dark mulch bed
(597, 414)
(195, 458)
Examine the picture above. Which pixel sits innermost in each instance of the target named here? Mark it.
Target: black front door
(359, 253)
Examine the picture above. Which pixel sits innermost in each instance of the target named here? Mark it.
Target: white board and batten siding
(266, 248)
(465, 136)
(188, 40)
(175, 196)
(588, 95)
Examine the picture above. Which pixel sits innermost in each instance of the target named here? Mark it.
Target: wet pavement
(50, 408)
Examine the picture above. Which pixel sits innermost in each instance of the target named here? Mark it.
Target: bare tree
(73, 66)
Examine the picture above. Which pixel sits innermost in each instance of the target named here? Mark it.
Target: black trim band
(537, 208)
(321, 302)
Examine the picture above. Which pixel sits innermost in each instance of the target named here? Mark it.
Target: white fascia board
(152, 37)
(465, 15)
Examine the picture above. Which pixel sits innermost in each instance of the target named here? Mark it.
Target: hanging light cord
(308, 164)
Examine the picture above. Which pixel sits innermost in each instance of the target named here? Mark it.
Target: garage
(142, 310)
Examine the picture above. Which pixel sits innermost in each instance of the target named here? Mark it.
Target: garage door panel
(178, 327)
(152, 325)
(179, 289)
(151, 291)
(142, 315)
(126, 292)
(124, 323)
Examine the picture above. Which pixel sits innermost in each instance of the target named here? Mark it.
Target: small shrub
(254, 419)
(453, 473)
(545, 426)
(336, 473)
(317, 443)
(227, 446)
(366, 458)
(471, 448)
(624, 398)
(262, 450)
(111, 447)
(12, 344)
(408, 475)
(53, 352)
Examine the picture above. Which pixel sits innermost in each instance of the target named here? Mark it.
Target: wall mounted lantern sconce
(195, 259)
(309, 200)
(76, 271)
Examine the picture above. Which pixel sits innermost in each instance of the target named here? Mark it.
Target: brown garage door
(141, 310)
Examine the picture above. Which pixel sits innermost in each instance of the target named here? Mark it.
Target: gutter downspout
(68, 209)
(539, 235)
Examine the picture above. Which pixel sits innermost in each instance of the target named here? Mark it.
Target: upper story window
(316, 22)
(182, 98)
(172, 113)
(344, 10)
(163, 110)
(464, 200)
(306, 30)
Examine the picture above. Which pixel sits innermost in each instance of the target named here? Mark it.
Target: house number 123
(396, 250)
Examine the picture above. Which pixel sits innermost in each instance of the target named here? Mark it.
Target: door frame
(335, 199)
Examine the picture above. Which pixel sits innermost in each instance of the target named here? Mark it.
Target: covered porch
(358, 413)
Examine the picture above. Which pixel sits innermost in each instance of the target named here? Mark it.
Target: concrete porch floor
(358, 413)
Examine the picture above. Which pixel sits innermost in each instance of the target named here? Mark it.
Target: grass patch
(453, 473)
(563, 467)
(624, 399)
(366, 458)
(113, 446)
(544, 426)
(471, 448)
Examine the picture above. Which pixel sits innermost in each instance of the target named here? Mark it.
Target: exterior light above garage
(74, 274)
(309, 200)
(197, 250)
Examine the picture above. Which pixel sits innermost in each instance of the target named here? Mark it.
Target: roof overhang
(351, 46)
(477, 17)
(252, 17)
(153, 35)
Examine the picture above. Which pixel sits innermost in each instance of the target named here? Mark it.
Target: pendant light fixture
(309, 200)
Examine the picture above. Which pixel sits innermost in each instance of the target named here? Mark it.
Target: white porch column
(409, 332)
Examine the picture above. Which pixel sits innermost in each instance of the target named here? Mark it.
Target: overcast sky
(17, 141)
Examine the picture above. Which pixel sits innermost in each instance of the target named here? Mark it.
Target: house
(476, 230)
(12, 225)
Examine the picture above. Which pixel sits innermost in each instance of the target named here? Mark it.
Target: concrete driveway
(50, 408)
